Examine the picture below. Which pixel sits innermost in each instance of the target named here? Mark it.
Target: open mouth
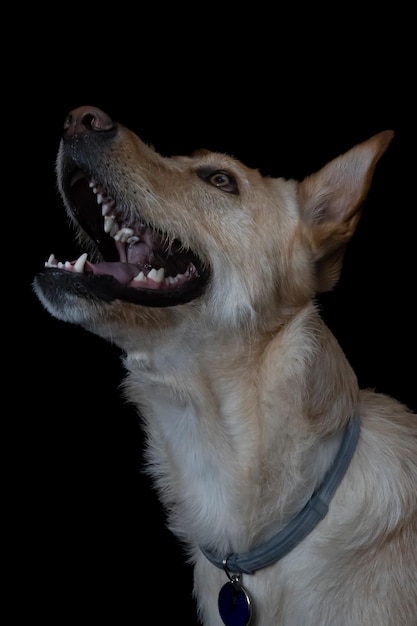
(146, 266)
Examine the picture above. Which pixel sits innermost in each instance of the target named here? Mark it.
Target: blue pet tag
(235, 605)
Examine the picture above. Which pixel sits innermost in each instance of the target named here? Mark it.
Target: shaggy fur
(243, 391)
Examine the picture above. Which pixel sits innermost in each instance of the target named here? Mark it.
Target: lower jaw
(107, 288)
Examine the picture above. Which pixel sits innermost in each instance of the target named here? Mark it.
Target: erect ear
(331, 200)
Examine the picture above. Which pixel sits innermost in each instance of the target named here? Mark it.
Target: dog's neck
(214, 440)
(301, 524)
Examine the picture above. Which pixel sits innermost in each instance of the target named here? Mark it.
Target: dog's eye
(220, 179)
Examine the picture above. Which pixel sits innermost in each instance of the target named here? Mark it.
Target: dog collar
(300, 525)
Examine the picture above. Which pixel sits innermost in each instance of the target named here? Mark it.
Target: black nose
(85, 120)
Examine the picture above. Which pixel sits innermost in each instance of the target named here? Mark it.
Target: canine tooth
(157, 275)
(108, 223)
(51, 258)
(123, 234)
(80, 262)
(140, 277)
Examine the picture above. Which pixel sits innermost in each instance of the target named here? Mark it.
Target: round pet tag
(235, 605)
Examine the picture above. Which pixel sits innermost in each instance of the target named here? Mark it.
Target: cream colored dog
(294, 491)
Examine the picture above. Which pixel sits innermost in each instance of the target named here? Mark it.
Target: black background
(91, 539)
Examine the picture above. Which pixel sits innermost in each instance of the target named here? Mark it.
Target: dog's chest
(196, 436)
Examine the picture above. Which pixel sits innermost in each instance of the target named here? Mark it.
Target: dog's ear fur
(331, 201)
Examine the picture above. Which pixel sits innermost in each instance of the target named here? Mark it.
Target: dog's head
(169, 239)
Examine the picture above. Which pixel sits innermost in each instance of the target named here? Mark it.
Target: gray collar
(303, 523)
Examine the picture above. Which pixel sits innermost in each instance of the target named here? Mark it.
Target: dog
(292, 490)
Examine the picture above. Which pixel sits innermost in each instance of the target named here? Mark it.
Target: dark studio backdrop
(93, 540)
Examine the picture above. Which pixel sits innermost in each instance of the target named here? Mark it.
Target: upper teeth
(110, 225)
(123, 234)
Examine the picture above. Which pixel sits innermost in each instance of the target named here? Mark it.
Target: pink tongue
(123, 272)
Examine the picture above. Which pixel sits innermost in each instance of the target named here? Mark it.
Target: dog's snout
(85, 120)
